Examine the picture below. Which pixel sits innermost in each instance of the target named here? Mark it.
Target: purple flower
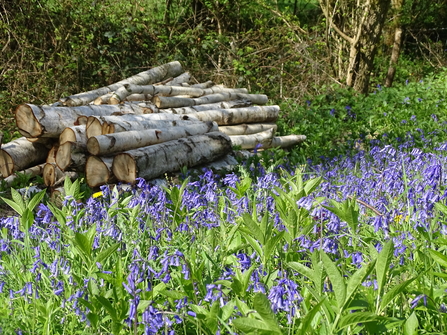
(416, 300)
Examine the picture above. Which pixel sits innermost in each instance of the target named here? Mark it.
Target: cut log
(206, 84)
(31, 172)
(181, 79)
(51, 157)
(51, 174)
(251, 141)
(155, 160)
(148, 77)
(287, 141)
(247, 129)
(73, 134)
(112, 143)
(115, 124)
(38, 121)
(71, 155)
(205, 107)
(21, 154)
(231, 116)
(98, 171)
(175, 102)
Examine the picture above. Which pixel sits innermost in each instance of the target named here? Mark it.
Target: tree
(358, 26)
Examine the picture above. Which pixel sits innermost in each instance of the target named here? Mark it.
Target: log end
(63, 155)
(27, 122)
(93, 146)
(124, 168)
(96, 172)
(6, 164)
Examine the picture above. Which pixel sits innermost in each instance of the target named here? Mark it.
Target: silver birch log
(112, 143)
(247, 129)
(51, 173)
(181, 79)
(287, 141)
(31, 172)
(98, 171)
(251, 141)
(206, 84)
(20, 154)
(155, 160)
(73, 134)
(51, 157)
(38, 121)
(231, 116)
(168, 91)
(201, 108)
(71, 154)
(175, 102)
(151, 76)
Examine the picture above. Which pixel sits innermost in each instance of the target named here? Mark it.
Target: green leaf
(248, 325)
(356, 318)
(411, 325)
(82, 243)
(18, 199)
(19, 210)
(270, 246)
(173, 294)
(262, 305)
(26, 220)
(309, 317)
(253, 227)
(211, 318)
(36, 199)
(438, 257)
(383, 264)
(312, 184)
(357, 278)
(108, 307)
(395, 291)
(104, 254)
(338, 284)
(302, 269)
(255, 245)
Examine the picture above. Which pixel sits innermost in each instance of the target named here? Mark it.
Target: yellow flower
(97, 194)
(397, 218)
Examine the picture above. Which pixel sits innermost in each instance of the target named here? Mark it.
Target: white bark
(206, 84)
(38, 121)
(151, 76)
(175, 102)
(155, 160)
(73, 134)
(128, 140)
(247, 129)
(231, 116)
(181, 79)
(98, 171)
(20, 154)
(286, 141)
(253, 140)
(201, 108)
(71, 155)
(31, 172)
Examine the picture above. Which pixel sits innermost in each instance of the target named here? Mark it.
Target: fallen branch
(175, 102)
(247, 129)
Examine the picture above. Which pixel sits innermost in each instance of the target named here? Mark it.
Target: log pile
(147, 125)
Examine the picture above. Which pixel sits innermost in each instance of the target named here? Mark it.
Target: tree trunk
(20, 154)
(71, 155)
(38, 121)
(98, 171)
(253, 140)
(247, 129)
(231, 116)
(175, 102)
(31, 172)
(73, 134)
(104, 145)
(124, 91)
(155, 160)
(397, 7)
(201, 108)
(148, 77)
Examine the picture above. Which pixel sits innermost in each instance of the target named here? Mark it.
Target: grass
(345, 244)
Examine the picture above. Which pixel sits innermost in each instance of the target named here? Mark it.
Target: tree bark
(71, 155)
(155, 160)
(201, 108)
(184, 78)
(38, 121)
(286, 141)
(73, 134)
(151, 76)
(124, 91)
(206, 84)
(31, 172)
(175, 102)
(103, 145)
(98, 171)
(231, 116)
(247, 129)
(20, 154)
(51, 157)
(395, 53)
(251, 141)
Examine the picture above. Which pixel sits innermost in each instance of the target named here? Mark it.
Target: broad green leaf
(83, 245)
(58, 214)
(173, 294)
(439, 258)
(18, 199)
(255, 245)
(104, 254)
(108, 307)
(94, 319)
(211, 318)
(262, 305)
(357, 317)
(26, 220)
(383, 264)
(253, 227)
(411, 325)
(227, 310)
(248, 325)
(357, 278)
(308, 318)
(36, 199)
(312, 184)
(441, 207)
(393, 292)
(19, 209)
(338, 284)
(236, 286)
(270, 246)
(302, 269)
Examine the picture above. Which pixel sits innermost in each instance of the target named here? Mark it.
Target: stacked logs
(144, 126)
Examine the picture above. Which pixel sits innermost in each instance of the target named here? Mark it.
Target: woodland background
(289, 50)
